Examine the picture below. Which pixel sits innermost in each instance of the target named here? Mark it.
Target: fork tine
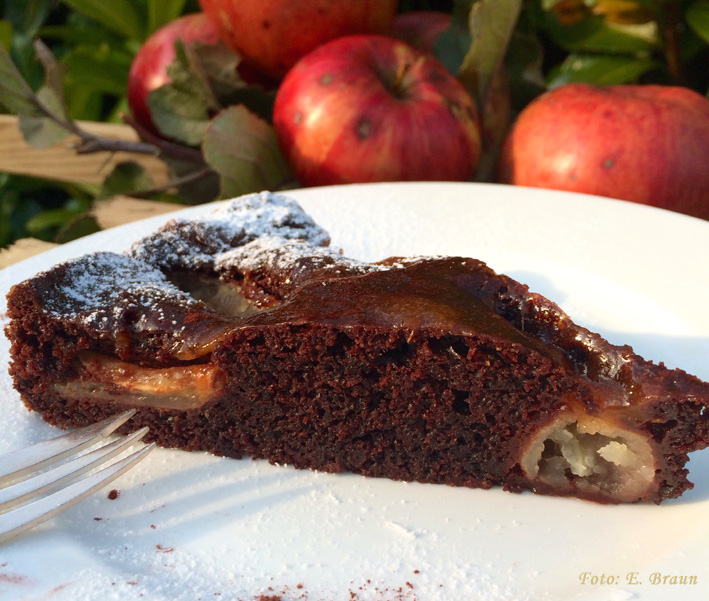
(30, 515)
(45, 482)
(20, 464)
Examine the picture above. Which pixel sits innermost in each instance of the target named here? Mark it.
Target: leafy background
(554, 42)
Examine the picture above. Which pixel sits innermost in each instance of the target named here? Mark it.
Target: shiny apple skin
(341, 118)
(148, 70)
(642, 143)
(275, 34)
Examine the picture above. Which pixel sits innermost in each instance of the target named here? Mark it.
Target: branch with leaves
(205, 99)
(217, 135)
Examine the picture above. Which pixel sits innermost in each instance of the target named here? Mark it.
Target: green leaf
(119, 16)
(217, 66)
(181, 108)
(17, 96)
(593, 34)
(193, 190)
(126, 178)
(179, 113)
(49, 218)
(44, 223)
(82, 33)
(492, 23)
(101, 69)
(600, 69)
(39, 130)
(53, 78)
(78, 227)
(161, 12)
(84, 103)
(34, 110)
(629, 9)
(5, 34)
(697, 16)
(27, 16)
(244, 151)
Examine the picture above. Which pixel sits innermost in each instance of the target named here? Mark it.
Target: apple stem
(398, 86)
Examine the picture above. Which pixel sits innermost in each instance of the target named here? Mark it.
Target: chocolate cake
(244, 333)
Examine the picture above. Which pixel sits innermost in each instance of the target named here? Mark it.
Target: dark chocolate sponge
(244, 333)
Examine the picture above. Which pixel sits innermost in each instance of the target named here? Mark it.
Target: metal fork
(41, 481)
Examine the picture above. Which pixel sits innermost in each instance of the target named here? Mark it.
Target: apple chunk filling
(222, 297)
(592, 456)
(181, 387)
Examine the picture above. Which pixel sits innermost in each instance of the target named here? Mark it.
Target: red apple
(148, 70)
(421, 29)
(275, 34)
(370, 108)
(647, 144)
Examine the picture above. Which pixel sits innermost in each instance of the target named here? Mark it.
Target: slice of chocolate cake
(244, 333)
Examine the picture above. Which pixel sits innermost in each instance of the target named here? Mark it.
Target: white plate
(192, 526)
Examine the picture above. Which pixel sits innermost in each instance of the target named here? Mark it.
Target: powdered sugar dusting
(267, 214)
(194, 244)
(95, 281)
(279, 254)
